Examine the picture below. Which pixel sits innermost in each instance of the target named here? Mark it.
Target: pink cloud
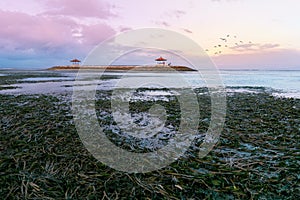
(179, 13)
(54, 34)
(23, 31)
(269, 46)
(175, 13)
(162, 23)
(124, 28)
(94, 34)
(187, 30)
(254, 47)
(79, 8)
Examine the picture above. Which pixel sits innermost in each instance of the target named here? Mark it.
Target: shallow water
(283, 81)
(280, 83)
(47, 79)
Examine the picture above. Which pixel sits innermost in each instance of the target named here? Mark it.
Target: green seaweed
(257, 156)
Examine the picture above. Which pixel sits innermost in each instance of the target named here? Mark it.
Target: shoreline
(14, 82)
(122, 68)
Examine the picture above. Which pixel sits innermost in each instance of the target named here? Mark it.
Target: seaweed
(257, 156)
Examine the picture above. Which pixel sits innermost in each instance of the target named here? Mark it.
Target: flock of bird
(229, 41)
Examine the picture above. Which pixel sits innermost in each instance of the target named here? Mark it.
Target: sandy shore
(124, 68)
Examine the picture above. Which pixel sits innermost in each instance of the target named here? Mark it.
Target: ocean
(283, 83)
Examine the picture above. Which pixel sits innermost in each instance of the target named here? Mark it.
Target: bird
(226, 46)
(236, 44)
(220, 45)
(228, 35)
(206, 50)
(220, 51)
(224, 39)
(241, 41)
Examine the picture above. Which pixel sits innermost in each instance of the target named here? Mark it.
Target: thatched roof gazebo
(161, 60)
(75, 61)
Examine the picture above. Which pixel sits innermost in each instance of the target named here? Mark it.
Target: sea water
(284, 83)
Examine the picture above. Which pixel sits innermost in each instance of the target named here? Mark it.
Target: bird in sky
(229, 40)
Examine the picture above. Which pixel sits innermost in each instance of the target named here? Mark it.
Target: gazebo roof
(160, 59)
(75, 60)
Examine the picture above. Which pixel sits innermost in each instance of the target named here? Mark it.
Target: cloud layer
(79, 8)
(275, 59)
(254, 47)
(56, 31)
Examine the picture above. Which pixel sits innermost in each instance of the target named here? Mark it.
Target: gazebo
(75, 61)
(161, 60)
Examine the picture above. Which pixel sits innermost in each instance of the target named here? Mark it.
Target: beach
(42, 156)
(171, 100)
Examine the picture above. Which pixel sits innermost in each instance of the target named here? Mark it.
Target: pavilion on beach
(75, 62)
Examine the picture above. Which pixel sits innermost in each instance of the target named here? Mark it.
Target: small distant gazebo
(75, 61)
(161, 60)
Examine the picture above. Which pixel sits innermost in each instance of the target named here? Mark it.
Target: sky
(258, 34)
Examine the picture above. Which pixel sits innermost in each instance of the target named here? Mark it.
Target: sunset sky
(263, 34)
